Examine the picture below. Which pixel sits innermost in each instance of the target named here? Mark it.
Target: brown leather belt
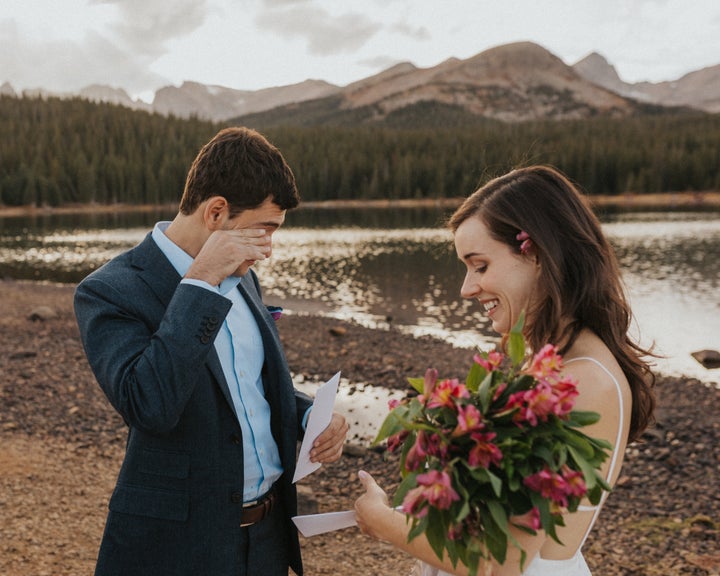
(254, 512)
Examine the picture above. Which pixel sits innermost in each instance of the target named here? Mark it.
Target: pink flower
(534, 404)
(530, 520)
(435, 489)
(393, 403)
(492, 362)
(545, 363)
(499, 390)
(469, 419)
(418, 452)
(431, 376)
(437, 447)
(396, 441)
(484, 452)
(565, 391)
(526, 242)
(414, 502)
(544, 399)
(438, 489)
(275, 312)
(575, 482)
(549, 485)
(445, 393)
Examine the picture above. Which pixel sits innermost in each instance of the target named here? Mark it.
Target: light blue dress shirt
(240, 349)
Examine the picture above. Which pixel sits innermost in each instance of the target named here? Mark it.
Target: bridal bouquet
(502, 449)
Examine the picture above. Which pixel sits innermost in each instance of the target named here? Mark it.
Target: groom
(177, 335)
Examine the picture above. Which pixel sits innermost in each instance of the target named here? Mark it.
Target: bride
(529, 241)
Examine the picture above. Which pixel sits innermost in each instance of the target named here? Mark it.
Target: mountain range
(512, 83)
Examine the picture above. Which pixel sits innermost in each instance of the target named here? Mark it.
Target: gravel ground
(61, 446)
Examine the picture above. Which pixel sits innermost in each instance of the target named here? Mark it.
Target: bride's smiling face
(502, 280)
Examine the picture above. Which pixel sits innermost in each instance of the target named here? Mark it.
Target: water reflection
(345, 264)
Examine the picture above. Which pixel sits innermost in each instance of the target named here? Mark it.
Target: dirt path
(61, 447)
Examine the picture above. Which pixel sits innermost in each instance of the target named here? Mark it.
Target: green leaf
(499, 515)
(589, 473)
(495, 482)
(418, 384)
(407, 484)
(484, 392)
(516, 342)
(496, 539)
(435, 532)
(580, 444)
(475, 376)
(392, 424)
(581, 418)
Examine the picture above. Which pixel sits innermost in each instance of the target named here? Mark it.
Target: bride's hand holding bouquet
(502, 449)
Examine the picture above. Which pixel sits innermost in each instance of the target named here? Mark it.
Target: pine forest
(70, 151)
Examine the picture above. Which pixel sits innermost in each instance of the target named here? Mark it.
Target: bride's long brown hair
(580, 276)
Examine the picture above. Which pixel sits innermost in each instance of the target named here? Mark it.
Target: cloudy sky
(142, 45)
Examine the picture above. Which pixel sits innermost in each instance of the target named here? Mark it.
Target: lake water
(397, 267)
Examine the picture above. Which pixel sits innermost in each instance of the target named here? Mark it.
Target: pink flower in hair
(525, 241)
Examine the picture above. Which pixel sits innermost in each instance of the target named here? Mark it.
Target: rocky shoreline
(61, 445)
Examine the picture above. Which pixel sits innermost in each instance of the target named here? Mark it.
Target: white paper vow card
(319, 418)
(314, 524)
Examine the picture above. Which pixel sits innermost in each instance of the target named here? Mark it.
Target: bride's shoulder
(595, 368)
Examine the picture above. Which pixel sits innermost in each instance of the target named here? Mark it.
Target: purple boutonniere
(275, 312)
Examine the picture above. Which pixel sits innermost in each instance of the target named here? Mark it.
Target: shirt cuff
(305, 418)
(201, 284)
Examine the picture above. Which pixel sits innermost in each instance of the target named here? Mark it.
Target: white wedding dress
(575, 566)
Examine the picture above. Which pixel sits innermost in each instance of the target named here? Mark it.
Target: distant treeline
(55, 152)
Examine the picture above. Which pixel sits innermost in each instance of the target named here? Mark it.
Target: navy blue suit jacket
(176, 508)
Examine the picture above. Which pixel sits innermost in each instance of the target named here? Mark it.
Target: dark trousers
(264, 546)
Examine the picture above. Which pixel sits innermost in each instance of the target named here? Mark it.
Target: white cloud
(141, 45)
(323, 33)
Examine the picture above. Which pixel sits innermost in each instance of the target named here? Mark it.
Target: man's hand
(328, 445)
(226, 250)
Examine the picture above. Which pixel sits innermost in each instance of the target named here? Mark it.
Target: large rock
(708, 358)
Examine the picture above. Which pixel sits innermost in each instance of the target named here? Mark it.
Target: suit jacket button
(236, 497)
(204, 338)
(235, 439)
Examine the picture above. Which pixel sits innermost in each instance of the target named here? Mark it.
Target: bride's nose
(470, 287)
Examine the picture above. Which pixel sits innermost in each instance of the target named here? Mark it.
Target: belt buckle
(265, 504)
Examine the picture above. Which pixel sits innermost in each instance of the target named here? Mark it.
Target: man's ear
(216, 212)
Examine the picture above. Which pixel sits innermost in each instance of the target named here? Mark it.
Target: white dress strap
(616, 452)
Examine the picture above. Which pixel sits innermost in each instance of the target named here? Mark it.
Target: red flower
(469, 419)
(396, 440)
(565, 391)
(484, 452)
(534, 404)
(435, 489)
(550, 485)
(446, 392)
(418, 452)
(544, 399)
(546, 363)
(530, 520)
(575, 482)
(492, 362)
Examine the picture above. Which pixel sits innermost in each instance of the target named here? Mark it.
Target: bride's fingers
(367, 480)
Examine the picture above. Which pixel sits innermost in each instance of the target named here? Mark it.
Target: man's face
(268, 216)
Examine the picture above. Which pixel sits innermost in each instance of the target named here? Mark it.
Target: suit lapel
(161, 277)
(262, 316)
